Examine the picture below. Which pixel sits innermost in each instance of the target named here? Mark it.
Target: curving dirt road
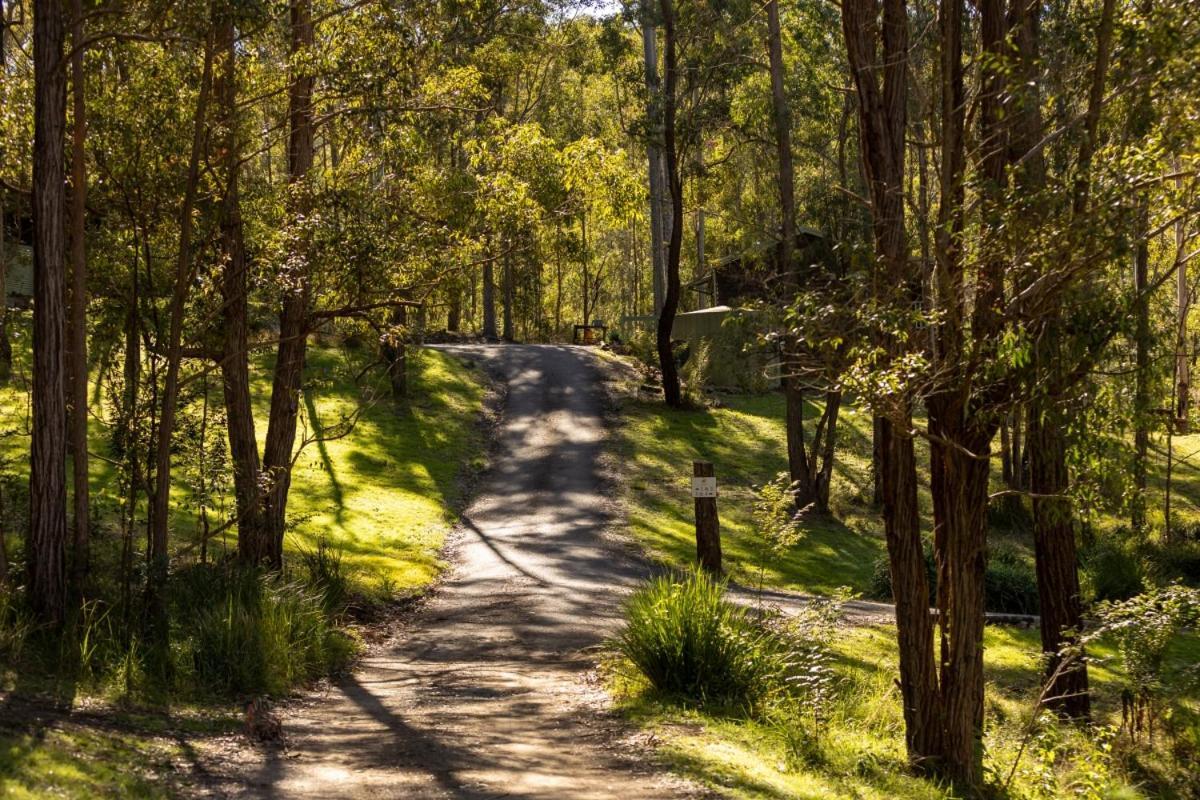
(486, 695)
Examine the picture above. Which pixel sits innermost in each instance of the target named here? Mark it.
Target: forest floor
(490, 689)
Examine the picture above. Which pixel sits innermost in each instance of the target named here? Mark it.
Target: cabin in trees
(727, 297)
(754, 276)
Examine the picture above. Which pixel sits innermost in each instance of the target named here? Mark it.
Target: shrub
(1010, 584)
(644, 346)
(689, 641)
(1112, 570)
(1176, 560)
(1144, 629)
(253, 633)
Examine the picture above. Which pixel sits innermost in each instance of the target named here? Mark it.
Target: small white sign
(704, 487)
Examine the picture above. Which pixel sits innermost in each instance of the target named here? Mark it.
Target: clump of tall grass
(324, 570)
(690, 642)
(248, 632)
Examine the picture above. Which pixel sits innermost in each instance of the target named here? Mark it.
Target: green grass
(119, 756)
(81, 763)
(386, 494)
(862, 746)
(744, 438)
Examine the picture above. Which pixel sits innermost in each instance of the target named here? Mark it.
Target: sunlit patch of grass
(72, 761)
(388, 493)
(862, 745)
(744, 438)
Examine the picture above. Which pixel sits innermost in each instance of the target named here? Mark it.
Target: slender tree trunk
(45, 552)
(827, 447)
(798, 461)
(395, 353)
(587, 263)
(783, 141)
(1060, 606)
(254, 544)
(1139, 122)
(558, 278)
(295, 306)
(1054, 536)
(508, 297)
(881, 83)
(454, 315)
(81, 545)
(489, 302)
(1183, 302)
(184, 273)
(654, 156)
(5, 342)
(4, 582)
(666, 320)
(1141, 391)
(910, 591)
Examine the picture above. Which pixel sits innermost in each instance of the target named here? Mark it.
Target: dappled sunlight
(744, 438)
(384, 494)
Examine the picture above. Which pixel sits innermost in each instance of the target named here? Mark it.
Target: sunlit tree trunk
(654, 155)
(295, 305)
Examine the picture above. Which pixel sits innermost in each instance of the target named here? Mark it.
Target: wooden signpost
(708, 526)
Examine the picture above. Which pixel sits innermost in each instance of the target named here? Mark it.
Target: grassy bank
(743, 435)
(385, 494)
(859, 751)
(379, 496)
